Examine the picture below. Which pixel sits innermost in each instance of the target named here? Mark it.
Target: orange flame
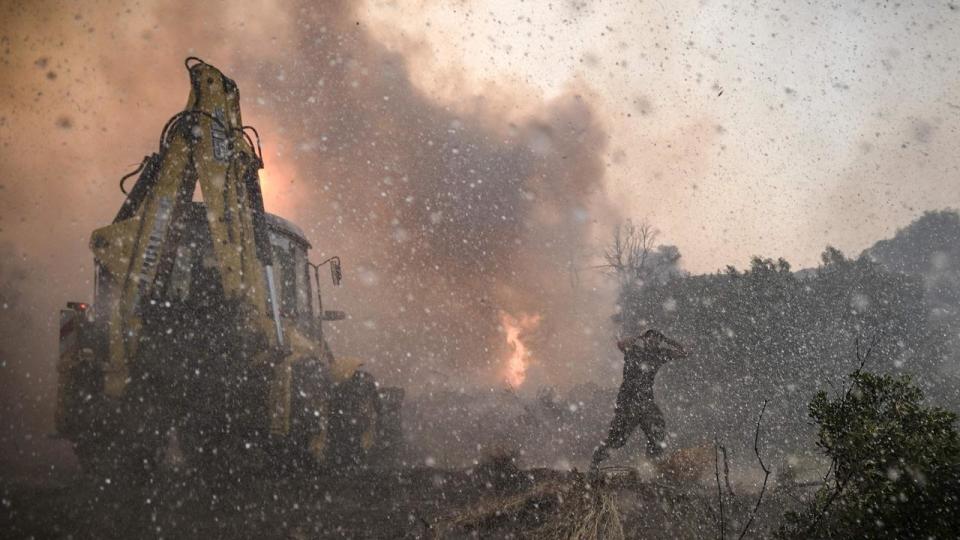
(275, 186)
(519, 359)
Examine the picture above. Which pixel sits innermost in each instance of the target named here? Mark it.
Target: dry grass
(573, 510)
(687, 464)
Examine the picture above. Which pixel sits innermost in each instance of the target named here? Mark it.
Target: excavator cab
(193, 276)
(293, 280)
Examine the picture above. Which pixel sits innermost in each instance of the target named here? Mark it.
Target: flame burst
(519, 359)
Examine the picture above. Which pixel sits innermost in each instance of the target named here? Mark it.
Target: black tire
(130, 452)
(218, 457)
(354, 423)
(93, 458)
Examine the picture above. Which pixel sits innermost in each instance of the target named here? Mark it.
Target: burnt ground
(408, 503)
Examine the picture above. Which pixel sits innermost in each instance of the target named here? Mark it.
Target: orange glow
(276, 183)
(519, 359)
(269, 180)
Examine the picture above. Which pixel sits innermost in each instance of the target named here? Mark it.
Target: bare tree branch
(628, 253)
(841, 483)
(766, 471)
(716, 466)
(726, 471)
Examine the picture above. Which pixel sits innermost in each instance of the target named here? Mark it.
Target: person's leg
(624, 421)
(654, 426)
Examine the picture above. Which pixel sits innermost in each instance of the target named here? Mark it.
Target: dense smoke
(447, 215)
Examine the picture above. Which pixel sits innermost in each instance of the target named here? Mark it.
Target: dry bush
(687, 464)
(498, 470)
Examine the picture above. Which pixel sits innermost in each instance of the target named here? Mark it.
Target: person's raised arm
(678, 351)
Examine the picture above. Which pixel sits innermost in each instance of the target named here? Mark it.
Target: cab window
(284, 273)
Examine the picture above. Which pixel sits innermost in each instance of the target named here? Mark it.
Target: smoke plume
(446, 213)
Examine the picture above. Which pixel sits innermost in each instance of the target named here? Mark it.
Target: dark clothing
(635, 404)
(640, 366)
(641, 411)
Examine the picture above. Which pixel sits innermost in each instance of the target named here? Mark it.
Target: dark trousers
(634, 409)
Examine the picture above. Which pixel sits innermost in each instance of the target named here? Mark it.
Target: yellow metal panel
(69, 355)
(343, 367)
(113, 244)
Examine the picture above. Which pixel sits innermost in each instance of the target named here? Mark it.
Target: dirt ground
(408, 503)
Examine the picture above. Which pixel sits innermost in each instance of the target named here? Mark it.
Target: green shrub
(895, 465)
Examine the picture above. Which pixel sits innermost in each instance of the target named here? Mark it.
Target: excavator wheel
(198, 446)
(215, 455)
(128, 458)
(94, 455)
(354, 422)
(128, 445)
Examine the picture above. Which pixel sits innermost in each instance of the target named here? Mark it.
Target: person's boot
(599, 454)
(655, 448)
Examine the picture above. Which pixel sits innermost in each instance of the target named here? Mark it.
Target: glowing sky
(836, 123)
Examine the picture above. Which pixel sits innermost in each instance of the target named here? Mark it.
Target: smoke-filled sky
(470, 158)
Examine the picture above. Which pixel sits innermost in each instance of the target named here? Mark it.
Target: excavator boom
(206, 144)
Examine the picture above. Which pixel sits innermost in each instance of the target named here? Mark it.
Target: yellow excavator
(204, 333)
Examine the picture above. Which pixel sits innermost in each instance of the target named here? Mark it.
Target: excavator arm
(206, 143)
